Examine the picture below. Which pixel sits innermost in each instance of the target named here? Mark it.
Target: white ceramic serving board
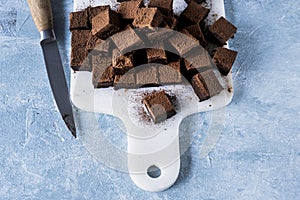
(148, 144)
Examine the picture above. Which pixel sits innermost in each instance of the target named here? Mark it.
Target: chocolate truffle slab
(194, 13)
(159, 106)
(199, 87)
(147, 17)
(211, 82)
(79, 20)
(165, 6)
(105, 24)
(128, 9)
(222, 30)
(224, 59)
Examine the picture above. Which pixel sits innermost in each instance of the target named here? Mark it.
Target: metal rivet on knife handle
(41, 13)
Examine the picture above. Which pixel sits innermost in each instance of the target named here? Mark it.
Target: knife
(42, 16)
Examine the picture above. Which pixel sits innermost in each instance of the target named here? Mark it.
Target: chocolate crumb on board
(159, 106)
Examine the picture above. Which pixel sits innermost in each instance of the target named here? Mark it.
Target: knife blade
(42, 15)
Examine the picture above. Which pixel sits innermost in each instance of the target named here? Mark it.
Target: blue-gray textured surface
(256, 157)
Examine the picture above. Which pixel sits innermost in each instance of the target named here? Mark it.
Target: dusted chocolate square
(102, 71)
(222, 30)
(146, 75)
(105, 24)
(93, 11)
(128, 9)
(194, 13)
(79, 20)
(125, 81)
(121, 63)
(224, 59)
(147, 17)
(200, 87)
(170, 74)
(159, 106)
(156, 56)
(127, 40)
(212, 84)
(196, 32)
(165, 6)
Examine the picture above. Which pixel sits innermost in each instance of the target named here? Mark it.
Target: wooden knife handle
(41, 13)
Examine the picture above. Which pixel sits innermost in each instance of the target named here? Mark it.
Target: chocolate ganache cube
(159, 106)
(193, 14)
(147, 17)
(224, 59)
(128, 9)
(105, 24)
(165, 6)
(222, 30)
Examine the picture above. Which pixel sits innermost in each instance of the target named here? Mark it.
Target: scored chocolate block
(128, 9)
(212, 84)
(93, 11)
(193, 14)
(165, 6)
(196, 32)
(146, 75)
(127, 40)
(147, 17)
(79, 20)
(170, 74)
(102, 71)
(105, 24)
(222, 30)
(199, 87)
(79, 54)
(121, 63)
(156, 56)
(159, 106)
(126, 81)
(224, 59)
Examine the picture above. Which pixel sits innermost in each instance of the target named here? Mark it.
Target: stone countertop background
(256, 157)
